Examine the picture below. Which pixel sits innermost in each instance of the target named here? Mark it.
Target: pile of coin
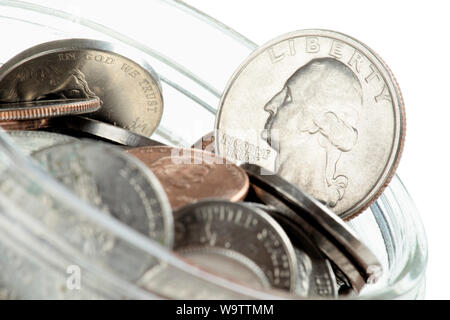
(308, 133)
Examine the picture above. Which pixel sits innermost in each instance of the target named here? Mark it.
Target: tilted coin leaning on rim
(83, 68)
(322, 110)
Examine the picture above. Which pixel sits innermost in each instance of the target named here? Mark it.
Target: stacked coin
(308, 133)
(44, 85)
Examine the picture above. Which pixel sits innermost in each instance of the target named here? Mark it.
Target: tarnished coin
(27, 124)
(31, 141)
(190, 175)
(320, 223)
(106, 131)
(316, 278)
(47, 108)
(222, 230)
(82, 68)
(114, 182)
(322, 110)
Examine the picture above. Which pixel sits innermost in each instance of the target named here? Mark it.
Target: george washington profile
(312, 121)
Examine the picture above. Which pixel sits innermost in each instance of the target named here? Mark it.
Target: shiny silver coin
(322, 110)
(32, 141)
(235, 231)
(114, 182)
(107, 131)
(340, 245)
(316, 277)
(82, 68)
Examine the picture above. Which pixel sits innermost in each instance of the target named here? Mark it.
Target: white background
(413, 38)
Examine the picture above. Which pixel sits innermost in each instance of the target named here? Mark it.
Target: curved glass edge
(40, 205)
(406, 247)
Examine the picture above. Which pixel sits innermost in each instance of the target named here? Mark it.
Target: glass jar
(194, 58)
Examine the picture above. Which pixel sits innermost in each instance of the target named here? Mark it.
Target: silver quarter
(320, 223)
(82, 68)
(107, 131)
(114, 182)
(246, 235)
(32, 141)
(322, 110)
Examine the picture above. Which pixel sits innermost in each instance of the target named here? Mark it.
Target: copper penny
(47, 108)
(189, 175)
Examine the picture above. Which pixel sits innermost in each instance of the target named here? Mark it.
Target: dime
(107, 131)
(315, 273)
(114, 182)
(221, 230)
(32, 141)
(341, 245)
(322, 110)
(47, 108)
(27, 124)
(189, 175)
(82, 68)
